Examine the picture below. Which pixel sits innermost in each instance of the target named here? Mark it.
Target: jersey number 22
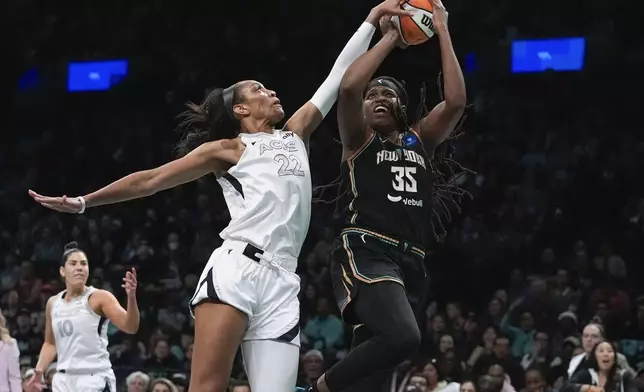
(290, 165)
(404, 180)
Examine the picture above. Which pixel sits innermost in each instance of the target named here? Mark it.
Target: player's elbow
(130, 327)
(350, 85)
(456, 104)
(149, 183)
(131, 330)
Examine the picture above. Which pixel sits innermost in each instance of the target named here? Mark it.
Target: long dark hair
(213, 119)
(445, 171)
(614, 377)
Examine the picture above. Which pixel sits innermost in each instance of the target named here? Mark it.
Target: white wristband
(83, 204)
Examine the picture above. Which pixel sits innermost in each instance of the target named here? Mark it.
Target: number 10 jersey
(80, 334)
(388, 189)
(268, 193)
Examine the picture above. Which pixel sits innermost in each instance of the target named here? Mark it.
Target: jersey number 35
(404, 180)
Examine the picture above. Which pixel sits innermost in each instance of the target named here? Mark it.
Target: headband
(389, 82)
(228, 94)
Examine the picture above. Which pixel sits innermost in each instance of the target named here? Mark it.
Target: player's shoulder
(287, 134)
(216, 146)
(52, 300)
(100, 294)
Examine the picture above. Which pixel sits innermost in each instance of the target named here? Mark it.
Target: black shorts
(363, 256)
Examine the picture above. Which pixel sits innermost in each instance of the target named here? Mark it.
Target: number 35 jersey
(388, 189)
(269, 193)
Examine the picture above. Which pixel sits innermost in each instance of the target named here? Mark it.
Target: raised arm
(439, 123)
(127, 320)
(350, 119)
(207, 158)
(308, 117)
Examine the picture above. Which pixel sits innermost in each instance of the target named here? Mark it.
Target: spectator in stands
(602, 374)
(313, 366)
(540, 354)
(592, 334)
(162, 362)
(418, 383)
(325, 330)
(487, 383)
(137, 382)
(484, 347)
(180, 381)
(435, 381)
(535, 380)
(501, 355)
(468, 386)
(240, 386)
(522, 336)
(9, 360)
(162, 385)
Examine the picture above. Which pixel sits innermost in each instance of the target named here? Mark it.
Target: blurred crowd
(551, 239)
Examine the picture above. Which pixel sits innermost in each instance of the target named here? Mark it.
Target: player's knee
(404, 343)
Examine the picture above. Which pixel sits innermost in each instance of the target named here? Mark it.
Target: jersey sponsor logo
(400, 155)
(274, 145)
(408, 201)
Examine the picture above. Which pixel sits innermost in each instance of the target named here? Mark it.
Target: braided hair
(445, 170)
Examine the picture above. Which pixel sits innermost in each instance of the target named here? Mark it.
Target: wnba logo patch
(410, 140)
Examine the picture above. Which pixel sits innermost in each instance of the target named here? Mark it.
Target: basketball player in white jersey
(76, 329)
(247, 294)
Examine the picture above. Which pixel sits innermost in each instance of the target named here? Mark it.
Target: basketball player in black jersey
(391, 172)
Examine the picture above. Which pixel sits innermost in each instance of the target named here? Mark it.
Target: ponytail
(70, 248)
(211, 120)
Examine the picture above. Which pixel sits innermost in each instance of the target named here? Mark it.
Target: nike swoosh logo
(253, 143)
(395, 199)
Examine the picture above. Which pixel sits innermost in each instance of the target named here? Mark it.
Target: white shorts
(265, 288)
(103, 381)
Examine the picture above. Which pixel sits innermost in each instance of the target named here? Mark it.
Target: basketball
(418, 28)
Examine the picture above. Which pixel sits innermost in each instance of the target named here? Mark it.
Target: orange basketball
(418, 28)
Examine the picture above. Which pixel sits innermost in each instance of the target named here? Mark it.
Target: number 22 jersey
(268, 193)
(388, 189)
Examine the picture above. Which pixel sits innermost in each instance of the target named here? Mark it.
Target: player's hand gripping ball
(418, 28)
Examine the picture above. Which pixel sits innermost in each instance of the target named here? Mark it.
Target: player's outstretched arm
(306, 120)
(125, 320)
(47, 351)
(205, 159)
(440, 122)
(350, 119)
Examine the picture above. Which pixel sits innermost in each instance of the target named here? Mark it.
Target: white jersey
(269, 193)
(80, 334)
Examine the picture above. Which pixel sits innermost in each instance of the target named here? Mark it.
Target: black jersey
(389, 189)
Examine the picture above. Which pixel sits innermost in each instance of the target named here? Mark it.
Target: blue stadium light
(560, 54)
(95, 75)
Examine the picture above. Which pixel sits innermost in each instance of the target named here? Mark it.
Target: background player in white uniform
(76, 329)
(248, 290)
